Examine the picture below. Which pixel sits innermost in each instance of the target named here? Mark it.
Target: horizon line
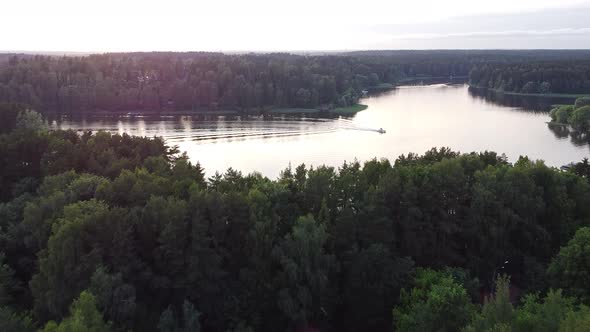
(63, 52)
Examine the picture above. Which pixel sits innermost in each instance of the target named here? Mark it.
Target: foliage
(15, 322)
(114, 298)
(582, 168)
(437, 302)
(581, 102)
(306, 269)
(373, 280)
(30, 121)
(187, 81)
(547, 315)
(8, 115)
(138, 226)
(536, 77)
(577, 321)
(200, 81)
(8, 284)
(570, 269)
(553, 313)
(497, 313)
(580, 119)
(578, 115)
(189, 321)
(84, 316)
(31, 155)
(562, 113)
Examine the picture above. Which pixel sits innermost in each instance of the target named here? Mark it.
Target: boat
(381, 131)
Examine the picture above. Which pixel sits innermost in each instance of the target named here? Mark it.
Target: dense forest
(188, 81)
(192, 81)
(564, 76)
(106, 232)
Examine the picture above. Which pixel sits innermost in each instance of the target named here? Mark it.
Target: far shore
(543, 95)
(346, 111)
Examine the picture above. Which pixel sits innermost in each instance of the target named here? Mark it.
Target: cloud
(495, 34)
(267, 25)
(548, 28)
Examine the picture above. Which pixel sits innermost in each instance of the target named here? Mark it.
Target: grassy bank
(293, 111)
(381, 86)
(350, 110)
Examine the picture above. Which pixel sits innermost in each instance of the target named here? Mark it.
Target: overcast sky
(274, 25)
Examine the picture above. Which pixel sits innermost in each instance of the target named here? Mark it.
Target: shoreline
(542, 95)
(350, 110)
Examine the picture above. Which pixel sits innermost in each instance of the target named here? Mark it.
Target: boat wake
(350, 125)
(215, 131)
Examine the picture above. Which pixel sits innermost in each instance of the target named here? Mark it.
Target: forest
(199, 81)
(187, 81)
(108, 232)
(539, 77)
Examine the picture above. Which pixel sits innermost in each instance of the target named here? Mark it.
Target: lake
(416, 118)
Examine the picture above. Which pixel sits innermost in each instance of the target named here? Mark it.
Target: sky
(302, 25)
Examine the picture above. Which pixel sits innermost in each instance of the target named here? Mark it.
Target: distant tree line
(128, 82)
(563, 76)
(192, 81)
(107, 232)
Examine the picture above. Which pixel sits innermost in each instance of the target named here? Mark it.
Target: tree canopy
(201, 81)
(546, 76)
(101, 232)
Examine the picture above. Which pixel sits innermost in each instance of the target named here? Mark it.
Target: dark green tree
(569, 269)
(84, 316)
(437, 302)
(303, 296)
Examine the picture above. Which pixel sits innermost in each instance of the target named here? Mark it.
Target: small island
(576, 117)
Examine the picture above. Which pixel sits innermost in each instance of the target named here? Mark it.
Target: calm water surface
(415, 118)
